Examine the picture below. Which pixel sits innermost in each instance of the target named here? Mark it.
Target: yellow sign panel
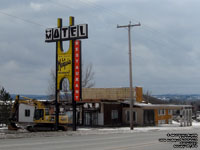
(64, 63)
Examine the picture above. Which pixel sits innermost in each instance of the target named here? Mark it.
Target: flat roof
(161, 106)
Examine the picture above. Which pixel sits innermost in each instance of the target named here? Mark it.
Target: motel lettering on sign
(66, 33)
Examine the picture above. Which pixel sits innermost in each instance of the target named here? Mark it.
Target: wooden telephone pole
(130, 70)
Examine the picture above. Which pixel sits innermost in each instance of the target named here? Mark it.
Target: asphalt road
(126, 141)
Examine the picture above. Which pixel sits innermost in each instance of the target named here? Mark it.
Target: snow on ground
(164, 127)
(3, 128)
(5, 133)
(195, 124)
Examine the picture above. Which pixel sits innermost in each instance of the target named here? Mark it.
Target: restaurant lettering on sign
(77, 70)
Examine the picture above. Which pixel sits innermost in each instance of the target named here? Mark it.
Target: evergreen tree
(5, 106)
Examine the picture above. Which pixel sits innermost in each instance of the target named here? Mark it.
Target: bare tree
(87, 81)
(148, 95)
(88, 76)
(51, 86)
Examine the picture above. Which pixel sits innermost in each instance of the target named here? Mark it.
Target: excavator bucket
(13, 126)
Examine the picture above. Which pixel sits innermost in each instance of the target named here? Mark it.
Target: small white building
(26, 113)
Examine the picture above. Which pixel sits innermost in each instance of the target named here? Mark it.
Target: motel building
(110, 107)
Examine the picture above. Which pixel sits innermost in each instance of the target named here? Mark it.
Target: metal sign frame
(66, 65)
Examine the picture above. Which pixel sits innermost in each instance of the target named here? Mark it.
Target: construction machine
(37, 115)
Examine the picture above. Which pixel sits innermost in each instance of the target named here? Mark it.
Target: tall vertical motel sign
(68, 64)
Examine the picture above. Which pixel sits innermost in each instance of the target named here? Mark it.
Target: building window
(161, 112)
(170, 111)
(114, 114)
(134, 116)
(170, 121)
(128, 116)
(27, 112)
(161, 121)
(46, 111)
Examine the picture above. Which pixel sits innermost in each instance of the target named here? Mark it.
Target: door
(149, 118)
(91, 118)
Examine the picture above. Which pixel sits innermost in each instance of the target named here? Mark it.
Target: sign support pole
(74, 112)
(59, 24)
(56, 93)
(71, 23)
(73, 100)
(81, 80)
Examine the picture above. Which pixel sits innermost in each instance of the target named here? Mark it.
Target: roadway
(126, 141)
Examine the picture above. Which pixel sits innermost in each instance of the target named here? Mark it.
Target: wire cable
(147, 27)
(22, 19)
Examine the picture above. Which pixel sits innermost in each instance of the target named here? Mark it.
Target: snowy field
(5, 133)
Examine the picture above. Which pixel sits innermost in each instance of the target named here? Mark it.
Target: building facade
(110, 107)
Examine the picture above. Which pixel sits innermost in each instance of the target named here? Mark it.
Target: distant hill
(154, 100)
(183, 97)
(40, 97)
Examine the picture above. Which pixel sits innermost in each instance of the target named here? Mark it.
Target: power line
(147, 27)
(109, 11)
(161, 42)
(35, 23)
(22, 19)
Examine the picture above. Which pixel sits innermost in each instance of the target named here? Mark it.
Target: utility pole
(130, 70)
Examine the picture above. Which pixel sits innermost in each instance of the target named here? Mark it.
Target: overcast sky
(165, 47)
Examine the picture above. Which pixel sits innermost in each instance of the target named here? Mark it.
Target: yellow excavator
(36, 115)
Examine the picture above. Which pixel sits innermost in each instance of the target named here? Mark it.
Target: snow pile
(3, 128)
(195, 124)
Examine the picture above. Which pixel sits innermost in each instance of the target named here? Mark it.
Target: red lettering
(77, 71)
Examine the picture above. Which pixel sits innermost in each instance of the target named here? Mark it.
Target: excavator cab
(39, 114)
